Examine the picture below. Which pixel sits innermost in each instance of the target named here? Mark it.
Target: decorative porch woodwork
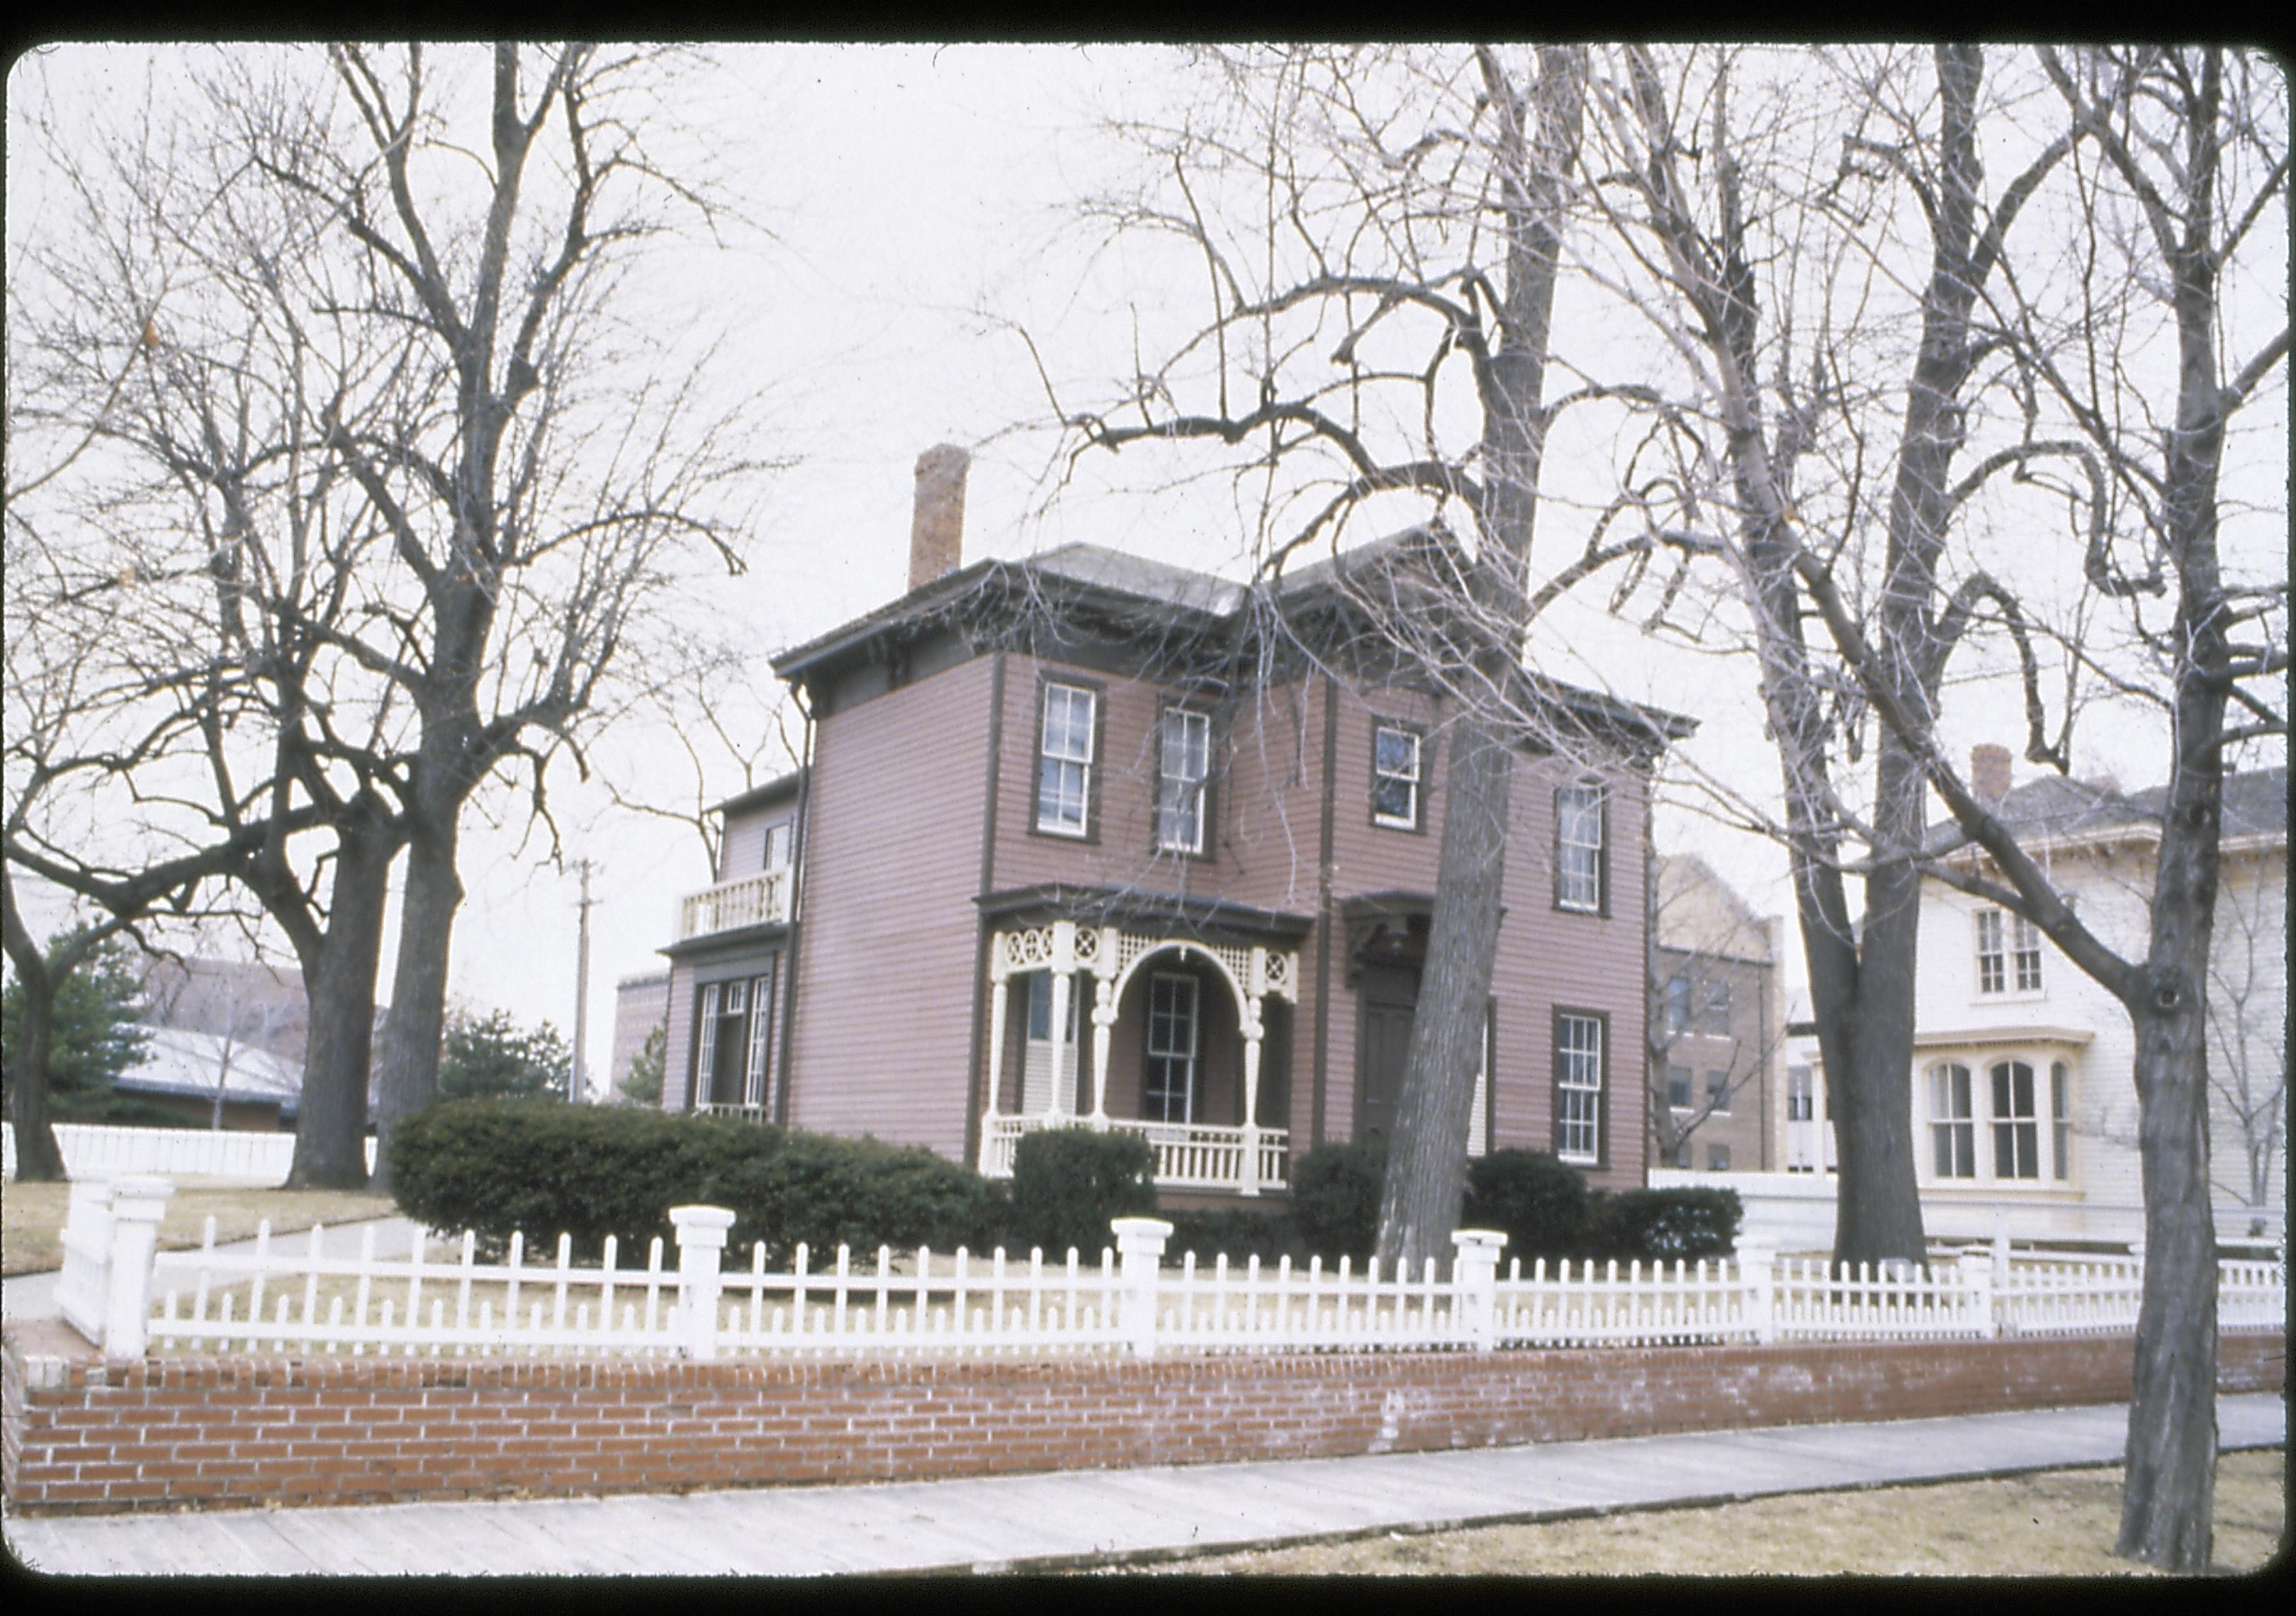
(1189, 1155)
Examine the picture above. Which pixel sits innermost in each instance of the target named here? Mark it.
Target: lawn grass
(32, 1216)
(2051, 1523)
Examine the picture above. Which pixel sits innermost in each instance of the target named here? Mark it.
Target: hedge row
(499, 1167)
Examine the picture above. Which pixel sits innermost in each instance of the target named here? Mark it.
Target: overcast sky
(919, 202)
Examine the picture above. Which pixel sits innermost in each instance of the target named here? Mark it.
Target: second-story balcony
(754, 901)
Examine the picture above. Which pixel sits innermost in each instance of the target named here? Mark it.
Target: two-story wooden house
(1090, 837)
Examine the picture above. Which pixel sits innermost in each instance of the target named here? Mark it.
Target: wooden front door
(1388, 998)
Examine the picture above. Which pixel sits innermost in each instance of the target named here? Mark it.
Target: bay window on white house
(1953, 1129)
(2003, 1104)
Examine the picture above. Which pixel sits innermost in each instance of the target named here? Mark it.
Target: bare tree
(2160, 163)
(1401, 213)
(441, 479)
(1788, 435)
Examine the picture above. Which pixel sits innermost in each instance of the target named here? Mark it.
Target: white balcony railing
(754, 901)
(1189, 1156)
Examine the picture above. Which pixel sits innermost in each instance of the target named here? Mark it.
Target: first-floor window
(1953, 1129)
(2061, 1119)
(1797, 1094)
(1578, 1087)
(2016, 1131)
(1169, 1085)
(1045, 1063)
(1718, 1158)
(734, 1042)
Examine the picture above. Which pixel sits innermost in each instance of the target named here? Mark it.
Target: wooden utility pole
(581, 983)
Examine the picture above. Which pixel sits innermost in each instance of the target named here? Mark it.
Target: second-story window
(1064, 768)
(1677, 1004)
(1395, 777)
(777, 846)
(2006, 942)
(1716, 1017)
(1183, 764)
(1578, 848)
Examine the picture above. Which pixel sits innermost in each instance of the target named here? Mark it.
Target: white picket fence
(126, 1296)
(95, 1150)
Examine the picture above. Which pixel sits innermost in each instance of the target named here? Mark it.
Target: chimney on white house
(937, 530)
(1988, 773)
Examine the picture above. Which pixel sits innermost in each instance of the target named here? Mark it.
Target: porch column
(1064, 969)
(997, 973)
(1103, 1021)
(1255, 990)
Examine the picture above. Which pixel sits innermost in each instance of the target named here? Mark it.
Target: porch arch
(1114, 954)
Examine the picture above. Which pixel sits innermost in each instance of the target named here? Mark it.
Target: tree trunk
(1427, 1162)
(39, 1160)
(407, 1060)
(1427, 1153)
(338, 974)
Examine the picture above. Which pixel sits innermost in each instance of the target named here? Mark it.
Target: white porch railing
(754, 901)
(1189, 1155)
(729, 1108)
(1127, 1301)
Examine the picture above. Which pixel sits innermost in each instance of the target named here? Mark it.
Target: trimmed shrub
(1666, 1226)
(1069, 1184)
(1236, 1235)
(824, 1192)
(1335, 1198)
(1539, 1203)
(500, 1165)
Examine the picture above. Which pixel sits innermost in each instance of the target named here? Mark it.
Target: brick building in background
(1717, 1023)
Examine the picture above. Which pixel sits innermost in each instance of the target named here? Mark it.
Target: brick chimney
(1988, 773)
(936, 531)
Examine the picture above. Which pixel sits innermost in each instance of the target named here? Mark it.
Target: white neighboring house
(2024, 1096)
(2023, 1082)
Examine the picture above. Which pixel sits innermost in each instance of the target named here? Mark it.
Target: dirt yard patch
(2054, 1523)
(32, 1216)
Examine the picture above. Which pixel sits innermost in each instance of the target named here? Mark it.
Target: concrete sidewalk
(1079, 1517)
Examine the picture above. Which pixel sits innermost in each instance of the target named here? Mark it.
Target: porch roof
(1136, 908)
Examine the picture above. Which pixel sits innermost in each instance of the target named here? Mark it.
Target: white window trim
(2055, 1153)
(1083, 764)
(1591, 812)
(1412, 780)
(1191, 1054)
(1593, 1154)
(1191, 720)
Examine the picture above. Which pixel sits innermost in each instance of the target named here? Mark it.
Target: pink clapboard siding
(888, 948)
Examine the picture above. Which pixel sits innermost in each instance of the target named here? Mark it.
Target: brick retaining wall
(85, 1435)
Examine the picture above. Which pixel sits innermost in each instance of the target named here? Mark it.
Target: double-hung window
(1677, 1004)
(1065, 762)
(2061, 1119)
(1168, 1088)
(777, 846)
(1953, 1125)
(1578, 848)
(1678, 1087)
(1182, 764)
(2016, 1131)
(1394, 782)
(2007, 943)
(1714, 1015)
(1578, 1087)
(1718, 1091)
(734, 1043)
